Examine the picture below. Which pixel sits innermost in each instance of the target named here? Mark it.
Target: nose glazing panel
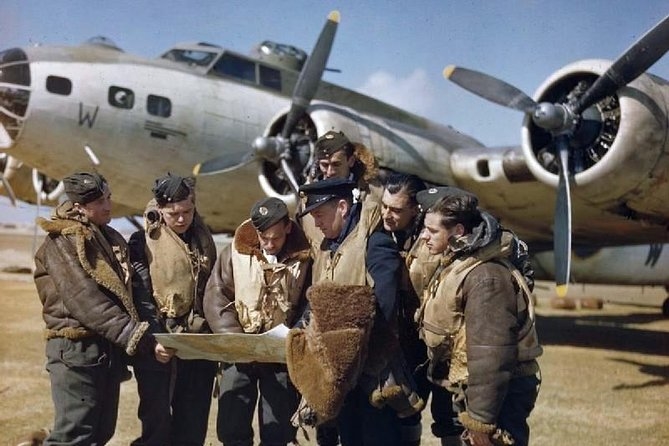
(14, 92)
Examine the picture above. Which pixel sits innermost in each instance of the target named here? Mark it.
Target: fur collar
(366, 168)
(62, 217)
(246, 242)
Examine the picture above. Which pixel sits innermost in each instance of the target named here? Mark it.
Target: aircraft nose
(14, 94)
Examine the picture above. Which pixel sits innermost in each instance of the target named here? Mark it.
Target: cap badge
(263, 210)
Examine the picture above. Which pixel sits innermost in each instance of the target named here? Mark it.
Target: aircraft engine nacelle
(271, 177)
(619, 151)
(27, 183)
(395, 146)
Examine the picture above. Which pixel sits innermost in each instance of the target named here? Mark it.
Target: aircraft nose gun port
(14, 94)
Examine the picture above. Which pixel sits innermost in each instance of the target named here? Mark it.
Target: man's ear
(459, 229)
(343, 207)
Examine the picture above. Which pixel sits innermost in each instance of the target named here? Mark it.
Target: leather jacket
(82, 275)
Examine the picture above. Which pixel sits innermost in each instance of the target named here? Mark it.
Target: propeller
(562, 120)
(222, 164)
(5, 160)
(490, 88)
(277, 149)
(562, 233)
(38, 184)
(631, 64)
(8, 187)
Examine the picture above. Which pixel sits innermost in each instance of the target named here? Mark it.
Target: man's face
(436, 235)
(273, 238)
(396, 211)
(336, 165)
(178, 216)
(98, 211)
(329, 217)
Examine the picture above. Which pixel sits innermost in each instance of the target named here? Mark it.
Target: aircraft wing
(594, 135)
(229, 347)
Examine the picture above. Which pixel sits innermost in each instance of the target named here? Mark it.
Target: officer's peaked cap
(325, 190)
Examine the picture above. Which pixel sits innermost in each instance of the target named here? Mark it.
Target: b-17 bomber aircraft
(592, 170)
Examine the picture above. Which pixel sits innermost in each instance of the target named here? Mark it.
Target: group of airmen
(395, 294)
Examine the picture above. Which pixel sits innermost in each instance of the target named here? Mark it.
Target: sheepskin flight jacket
(82, 276)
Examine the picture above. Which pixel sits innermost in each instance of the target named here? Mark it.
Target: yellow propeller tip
(334, 16)
(196, 169)
(448, 71)
(561, 290)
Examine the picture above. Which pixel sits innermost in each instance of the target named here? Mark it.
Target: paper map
(229, 347)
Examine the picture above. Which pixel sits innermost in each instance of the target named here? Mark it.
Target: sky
(393, 50)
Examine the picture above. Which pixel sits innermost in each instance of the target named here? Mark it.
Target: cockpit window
(270, 77)
(190, 57)
(231, 65)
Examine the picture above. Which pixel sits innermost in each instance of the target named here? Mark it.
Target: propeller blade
(291, 178)
(562, 223)
(8, 187)
(490, 88)
(630, 65)
(92, 156)
(221, 164)
(310, 76)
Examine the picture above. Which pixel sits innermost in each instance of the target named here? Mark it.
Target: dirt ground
(605, 372)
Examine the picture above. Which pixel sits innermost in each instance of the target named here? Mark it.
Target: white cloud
(414, 93)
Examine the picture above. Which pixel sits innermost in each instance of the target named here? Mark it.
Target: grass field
(605, 372)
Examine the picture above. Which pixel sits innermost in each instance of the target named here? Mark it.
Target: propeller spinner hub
(268, 148)
(555, 118)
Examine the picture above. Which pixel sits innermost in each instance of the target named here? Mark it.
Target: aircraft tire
(563, 303)
(591, 303)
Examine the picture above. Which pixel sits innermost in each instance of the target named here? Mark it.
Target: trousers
(242, 388)
(174, 402)
(85, 379)
(518, 403)
(361, 424)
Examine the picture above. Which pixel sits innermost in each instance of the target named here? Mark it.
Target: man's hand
(474, 438)
(163, 354)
